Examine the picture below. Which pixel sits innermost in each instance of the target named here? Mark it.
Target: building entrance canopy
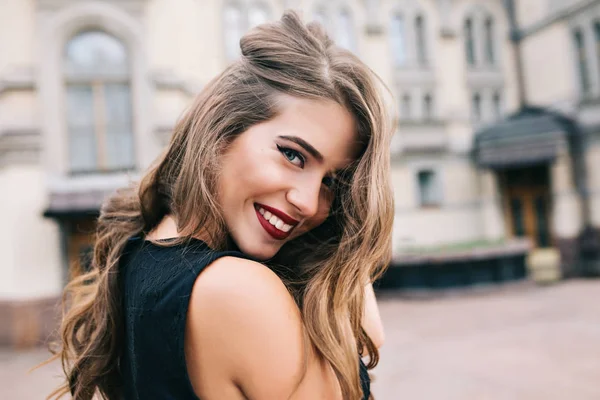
(530, 136)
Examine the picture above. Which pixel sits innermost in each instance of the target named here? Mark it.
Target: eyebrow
(305, 145)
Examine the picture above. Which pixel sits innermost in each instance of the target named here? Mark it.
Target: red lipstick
(267, 226)
(279, 214)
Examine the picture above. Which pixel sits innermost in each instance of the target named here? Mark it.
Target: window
(469, 42)
(257, 15)
(597, 37)
(405, 109)
(421, 41)
(234, 29)
(497, 103)
(98, 103)
(583, 61)
(427, 107)
(398, 39)
(477, 107)
(345, 31)
(489, 41)
(429, 190)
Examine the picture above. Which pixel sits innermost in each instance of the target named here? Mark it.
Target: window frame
(97, 82)
(436, 189)
(583, 63)
(421, 45)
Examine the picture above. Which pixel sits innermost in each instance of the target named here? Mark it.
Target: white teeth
(273, 220)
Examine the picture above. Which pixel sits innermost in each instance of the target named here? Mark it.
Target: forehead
(326, 125)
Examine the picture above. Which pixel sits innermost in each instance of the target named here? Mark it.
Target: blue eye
(293, 156)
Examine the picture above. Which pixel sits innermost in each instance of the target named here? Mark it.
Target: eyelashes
(296, 158)
(292, 155)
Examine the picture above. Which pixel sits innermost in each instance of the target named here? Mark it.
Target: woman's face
(278, 176)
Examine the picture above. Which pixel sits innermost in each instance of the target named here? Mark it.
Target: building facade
(90, 90)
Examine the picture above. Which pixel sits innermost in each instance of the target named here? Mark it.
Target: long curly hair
(331, 264)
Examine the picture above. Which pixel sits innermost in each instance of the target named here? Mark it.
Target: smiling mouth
(274, 224)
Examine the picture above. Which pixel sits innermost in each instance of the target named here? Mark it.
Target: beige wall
(29, 244)
(457, 219)
(436, 227)
(593, 164)
(566, 212)
(177, 47)
(17, 19)
(531, 11)
(549, 69)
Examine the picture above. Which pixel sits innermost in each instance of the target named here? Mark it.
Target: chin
(257, 251)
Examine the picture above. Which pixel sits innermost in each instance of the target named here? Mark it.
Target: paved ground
(521, 342)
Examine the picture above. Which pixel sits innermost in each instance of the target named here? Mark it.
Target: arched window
(469, 42)
(398, 39)
(258, 14)
(497, 102)
(234, 29)
(421, 40)
(98, 103)
(427, 107)
(489, 41)
(345, 31)
(584, 79)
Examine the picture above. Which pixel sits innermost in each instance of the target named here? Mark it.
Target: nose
(305, 197)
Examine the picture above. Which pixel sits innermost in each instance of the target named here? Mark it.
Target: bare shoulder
(243, 322)
(233, 277)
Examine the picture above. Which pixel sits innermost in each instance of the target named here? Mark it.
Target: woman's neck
(166, 229)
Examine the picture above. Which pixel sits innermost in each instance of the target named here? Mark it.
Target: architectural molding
(412, 76)
(21, 78)
(20, 146)
(58, 22)
(164, 80)
(131, 6)
(446, 28)
(556, 16)
(373, 26)
(374, 29)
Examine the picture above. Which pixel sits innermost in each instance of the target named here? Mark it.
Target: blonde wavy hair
(331, 264)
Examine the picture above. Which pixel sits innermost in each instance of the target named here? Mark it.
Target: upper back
(214, 325)
(157, 282)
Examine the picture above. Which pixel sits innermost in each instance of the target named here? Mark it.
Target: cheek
(252, 172)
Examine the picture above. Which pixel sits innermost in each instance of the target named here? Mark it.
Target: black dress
(157, 284)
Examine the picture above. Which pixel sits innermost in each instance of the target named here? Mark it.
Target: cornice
(554, 17)
(20, 146)
(17, 79)
(133, 6)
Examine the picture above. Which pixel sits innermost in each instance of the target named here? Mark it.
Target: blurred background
(495, 167)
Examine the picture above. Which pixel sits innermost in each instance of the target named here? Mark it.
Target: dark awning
(76, 204)
(530, 136)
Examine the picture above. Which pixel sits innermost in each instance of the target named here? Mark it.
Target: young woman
(240, 267)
